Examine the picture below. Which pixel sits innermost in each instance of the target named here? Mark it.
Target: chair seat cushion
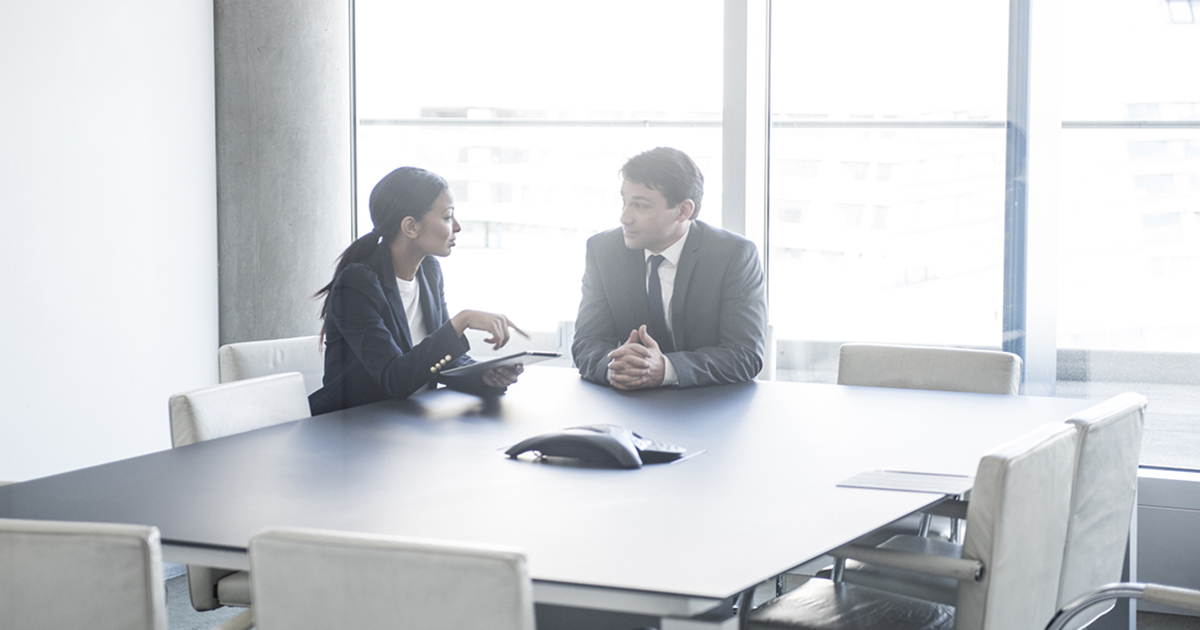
(939, 527)
(920, 585)
(823, 605)
(234, 589)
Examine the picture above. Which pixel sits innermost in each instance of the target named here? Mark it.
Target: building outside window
(529, 109)
(887, 153)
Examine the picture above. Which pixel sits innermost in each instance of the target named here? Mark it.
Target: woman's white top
(410, 297)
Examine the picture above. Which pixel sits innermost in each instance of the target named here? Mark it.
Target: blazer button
(433, 370)
(447, 359)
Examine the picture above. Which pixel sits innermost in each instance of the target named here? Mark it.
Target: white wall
(108, 267)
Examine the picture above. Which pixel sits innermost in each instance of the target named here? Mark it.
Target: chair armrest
(241, 621)
(1184, 598)
(954, 508)
(960, 569)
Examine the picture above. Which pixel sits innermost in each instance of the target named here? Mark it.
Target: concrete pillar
(283, 160)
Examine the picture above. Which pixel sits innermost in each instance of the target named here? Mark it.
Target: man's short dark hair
(670, 172)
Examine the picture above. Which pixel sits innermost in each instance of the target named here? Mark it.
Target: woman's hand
(496, 325)
(502, 377)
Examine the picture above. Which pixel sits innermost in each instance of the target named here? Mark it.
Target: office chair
(1012, 556)
(934, 368)
(311, 579)
(80, 576)
(1103, 494)
(231, 408)
(249, 359)
(228, 409)
(921, 367)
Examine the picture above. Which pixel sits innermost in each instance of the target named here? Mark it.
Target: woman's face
(438, 227)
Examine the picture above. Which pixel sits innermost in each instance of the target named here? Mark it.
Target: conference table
(667, 545)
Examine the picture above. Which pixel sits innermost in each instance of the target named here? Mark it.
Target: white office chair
(310, 579)
(230, 408)
(934, 368)
(249, 359)
(921, 367)
(227, 409)
(80, 576)
(1103, 494)
(1008, 574)
(1104, 497)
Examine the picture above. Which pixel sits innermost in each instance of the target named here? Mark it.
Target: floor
(1161, 621)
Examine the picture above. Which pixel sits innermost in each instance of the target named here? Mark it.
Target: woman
(386, 328)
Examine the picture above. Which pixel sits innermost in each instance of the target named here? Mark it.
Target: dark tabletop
(760, 500)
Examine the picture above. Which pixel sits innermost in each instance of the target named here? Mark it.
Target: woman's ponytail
(358, 251)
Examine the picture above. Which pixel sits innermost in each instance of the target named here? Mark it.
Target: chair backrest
(230, 408)
(1017, 526)
(80, 576)
(305, 579)
(921, 367)
(273, 356)
(1103, 496)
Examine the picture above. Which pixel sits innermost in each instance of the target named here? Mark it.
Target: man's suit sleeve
(595, 331)
(738, 357)
(356, 304)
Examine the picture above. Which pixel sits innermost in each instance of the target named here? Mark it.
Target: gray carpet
(1161, 621)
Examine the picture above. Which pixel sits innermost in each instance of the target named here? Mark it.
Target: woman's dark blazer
(369, 354)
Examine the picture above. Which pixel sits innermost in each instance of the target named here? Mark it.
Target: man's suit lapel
(391, 292)
(683, 279)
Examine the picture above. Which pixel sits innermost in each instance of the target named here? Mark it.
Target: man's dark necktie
(657, 326)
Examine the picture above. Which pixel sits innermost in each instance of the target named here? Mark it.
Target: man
(668, 300)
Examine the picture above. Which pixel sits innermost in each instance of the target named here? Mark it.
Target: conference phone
(607, 445)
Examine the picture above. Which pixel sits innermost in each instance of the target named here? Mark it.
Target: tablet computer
(520, 358)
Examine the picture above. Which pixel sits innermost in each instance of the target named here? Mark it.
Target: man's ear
(686, 208)
(410, 227)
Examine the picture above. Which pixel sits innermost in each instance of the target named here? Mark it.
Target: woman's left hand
(502, 377)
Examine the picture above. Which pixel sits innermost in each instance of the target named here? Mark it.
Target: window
(529, 108)
(898, 235)
(886, 205)
(1129, 250)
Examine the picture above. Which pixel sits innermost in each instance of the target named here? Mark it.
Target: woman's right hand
(502, 377)
(496, 325)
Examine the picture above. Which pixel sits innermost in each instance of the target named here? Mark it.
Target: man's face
(647, 221)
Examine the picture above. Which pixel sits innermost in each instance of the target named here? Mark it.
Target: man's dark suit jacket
(718, 309)
(369, 354)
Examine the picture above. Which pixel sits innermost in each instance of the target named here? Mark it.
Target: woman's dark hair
(670, 172)
(405, 192)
